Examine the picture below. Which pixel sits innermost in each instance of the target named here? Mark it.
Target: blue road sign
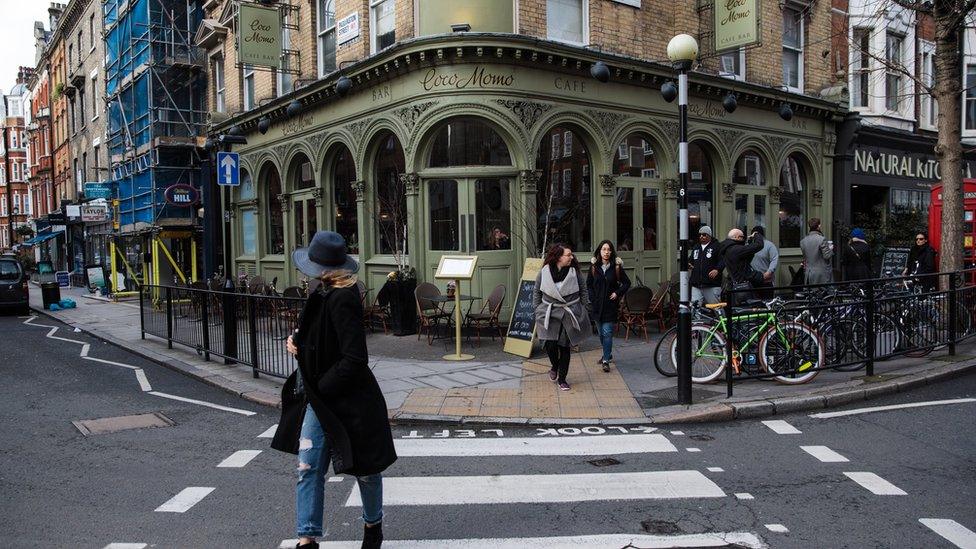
(228, 169)
(98, 190)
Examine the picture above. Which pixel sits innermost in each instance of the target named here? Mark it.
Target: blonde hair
(338, 279)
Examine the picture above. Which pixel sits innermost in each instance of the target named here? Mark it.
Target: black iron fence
(241, 328)
(791, 334)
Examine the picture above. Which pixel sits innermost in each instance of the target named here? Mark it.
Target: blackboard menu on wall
(894, 261)
(522, 324)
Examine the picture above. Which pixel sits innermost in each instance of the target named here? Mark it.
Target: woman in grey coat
(561, 302)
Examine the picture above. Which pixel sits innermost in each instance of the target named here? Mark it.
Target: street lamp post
(682, 51)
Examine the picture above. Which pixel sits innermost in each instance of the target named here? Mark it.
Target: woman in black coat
(606, 286)
(856, 258)
(332, 408)
(921, 261)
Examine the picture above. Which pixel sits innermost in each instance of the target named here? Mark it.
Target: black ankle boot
(311, 545)
(373, 536)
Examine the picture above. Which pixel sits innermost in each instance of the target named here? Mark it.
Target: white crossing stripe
(875, 484)
(716, 470)
(601, 541)
(187, 498)
(827, 415)
(693, 450)
(781, 427)
(239, 458)
(956, 533)
(562, 446)
(824, 454)
(203, 403)
(335, 479)
(677, 433)
(270, 433)
(744, 495)
(544, 488)
(125, 546)
(778, 528)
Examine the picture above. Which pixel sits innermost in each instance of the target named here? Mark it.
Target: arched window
(301, 173)
(326, 37)
(749, 170)
(391, 196)
(635, 157)
(346, 211)
(701, 186)
(276, 225)
(792, 205)
(249, 217)
(563, 199)
(246, 189)
(468, 141)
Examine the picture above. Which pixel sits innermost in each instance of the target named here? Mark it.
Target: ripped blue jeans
(313, 464)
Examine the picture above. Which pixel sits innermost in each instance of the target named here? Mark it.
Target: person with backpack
(332, 408)
(606, 287)
(856, 258)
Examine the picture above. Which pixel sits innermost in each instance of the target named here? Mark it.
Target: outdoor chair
(662, 305)
(430, 312)
(288, 310)
(487, 317)
(633, 314)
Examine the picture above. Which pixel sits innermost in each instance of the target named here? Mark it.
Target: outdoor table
(444, 298)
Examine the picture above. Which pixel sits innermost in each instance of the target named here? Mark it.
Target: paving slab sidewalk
(500, 388)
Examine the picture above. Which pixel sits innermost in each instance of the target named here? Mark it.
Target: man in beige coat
(817, 252)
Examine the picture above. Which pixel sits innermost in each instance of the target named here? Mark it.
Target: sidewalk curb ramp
(833, 396)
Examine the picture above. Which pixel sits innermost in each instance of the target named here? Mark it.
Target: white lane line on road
(187, 498)
(716, 470)
(734, 539)
(143, 381)
(677, 433)
(335, 479)
(125, 546)
(270, 432)
(955, 533)
(778, 528)
(744, 495)
(824, 454)
(563, 446)
(693, 450)
(827, 415)
(202, 403)
(875, 484)
(239, 458)
(544, 488)
(781, 427)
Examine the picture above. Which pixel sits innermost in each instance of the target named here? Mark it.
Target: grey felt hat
(327, 252)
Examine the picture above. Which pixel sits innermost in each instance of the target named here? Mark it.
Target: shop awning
(41, 238)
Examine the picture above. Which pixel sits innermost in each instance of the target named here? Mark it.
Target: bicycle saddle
(714, 306)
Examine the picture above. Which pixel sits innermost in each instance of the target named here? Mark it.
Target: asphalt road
(724, 485)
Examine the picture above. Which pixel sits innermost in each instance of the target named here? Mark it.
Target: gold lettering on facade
(736, 10)
(569, 84)
(479, 77)
(707, 109)
(296, 125)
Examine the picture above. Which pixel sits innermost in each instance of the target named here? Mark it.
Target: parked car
(14, 294)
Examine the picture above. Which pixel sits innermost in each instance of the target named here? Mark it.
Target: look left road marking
(781, 427)
(239, 458)
(125, 546)
(721, 539)
(577, 446)
(956, 533)
(875, 484)
(187, 498)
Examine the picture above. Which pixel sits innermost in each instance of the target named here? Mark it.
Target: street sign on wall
(98, 190)
(259, 35)
(347, 28)
(94, 213)
(228, 169)
(737, 24)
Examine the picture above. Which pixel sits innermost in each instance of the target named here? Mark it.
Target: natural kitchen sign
(737, 24)
(259, 36)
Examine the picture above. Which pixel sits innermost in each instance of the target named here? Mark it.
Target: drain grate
(604, 462)
(669, 396)
(106, 425)
(660, 527)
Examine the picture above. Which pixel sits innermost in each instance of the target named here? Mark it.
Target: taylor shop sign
(181, 195)
(94, 213)
(892, 164)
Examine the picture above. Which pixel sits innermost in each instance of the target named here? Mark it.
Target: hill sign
(181, 195)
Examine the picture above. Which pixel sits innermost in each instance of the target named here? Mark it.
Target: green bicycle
(790, 349)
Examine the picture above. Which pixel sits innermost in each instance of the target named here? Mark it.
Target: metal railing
(241, 328)
(792, 333)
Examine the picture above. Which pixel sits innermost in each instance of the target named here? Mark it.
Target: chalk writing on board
(523, 318)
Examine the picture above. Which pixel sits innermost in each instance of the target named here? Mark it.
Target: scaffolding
(155, 89)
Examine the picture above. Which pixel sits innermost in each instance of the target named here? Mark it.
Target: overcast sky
(17, 36)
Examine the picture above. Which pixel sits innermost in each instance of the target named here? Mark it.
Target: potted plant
(399, 291)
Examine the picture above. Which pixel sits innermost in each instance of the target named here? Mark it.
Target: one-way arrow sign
(228, 169)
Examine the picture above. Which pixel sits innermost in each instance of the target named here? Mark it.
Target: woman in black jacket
(921, 261)
(332, 407)
(856, 258)
(606, 286)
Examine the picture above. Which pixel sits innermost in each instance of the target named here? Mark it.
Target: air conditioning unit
(215, 117)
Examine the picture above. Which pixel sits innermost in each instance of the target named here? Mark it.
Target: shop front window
(249, 232)
(346, 210)
(635, 157)
(246, 189)
(625, 219)
(701, 186)
(442, 195)
(302, 174)
(493, 214)
(564, 198)
(391, 196)
(468, 141)
(276, 222)
(792, 183)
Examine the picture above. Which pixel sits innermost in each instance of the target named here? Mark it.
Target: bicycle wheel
(662, 354)
(707, 353)
(921, 329)
(794, 349)
(846, 344)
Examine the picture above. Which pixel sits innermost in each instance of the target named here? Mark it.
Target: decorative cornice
(671, 188)
(816, 196)
(608, 121)
(411, 183)
(410, 115)
(775, 192)
(608, 183)
(529, 180)
(728, 190)
(526, 112)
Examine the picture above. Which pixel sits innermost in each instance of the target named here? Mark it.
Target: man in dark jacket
(738, 254)
(706, 269)
(856, 257)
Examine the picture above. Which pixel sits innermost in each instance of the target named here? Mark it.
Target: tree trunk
(948, 148)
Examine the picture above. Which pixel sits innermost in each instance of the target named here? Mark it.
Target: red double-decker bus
(969, 223)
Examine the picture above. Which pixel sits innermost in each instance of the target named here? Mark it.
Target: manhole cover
(122, 423)
(702, 438)
(666, 397)
(604, 462)
(660, 527)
